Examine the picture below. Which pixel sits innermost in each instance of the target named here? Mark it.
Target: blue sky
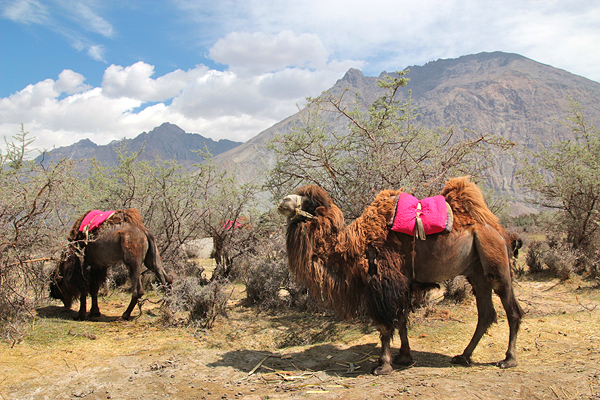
(108, 69)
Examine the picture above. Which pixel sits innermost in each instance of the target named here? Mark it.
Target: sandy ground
(252, 355)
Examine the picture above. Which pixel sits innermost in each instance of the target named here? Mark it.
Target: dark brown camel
(122, 238)
(366, 265)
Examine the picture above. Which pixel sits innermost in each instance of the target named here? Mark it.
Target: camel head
(290, 205)
(60, 288)
(304, 203)
(56, 281)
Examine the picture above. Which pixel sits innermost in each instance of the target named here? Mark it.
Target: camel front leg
(82, 307)
(384, 364)
(404, 356)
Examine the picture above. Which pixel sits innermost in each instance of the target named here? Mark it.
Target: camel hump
(133, 216)
(129, 215)
(465, 196)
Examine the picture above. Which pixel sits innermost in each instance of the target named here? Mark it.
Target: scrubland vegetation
(384, 148)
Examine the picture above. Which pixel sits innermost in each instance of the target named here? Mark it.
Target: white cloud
(96, 52)
(51, 16)
(26, 12)
(88, 19)
(262, 52)
(135, 82)
(70, 82)
(393, 34)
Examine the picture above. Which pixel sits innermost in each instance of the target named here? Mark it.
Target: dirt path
(250, 356)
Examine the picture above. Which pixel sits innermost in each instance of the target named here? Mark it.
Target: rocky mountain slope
(489, 93)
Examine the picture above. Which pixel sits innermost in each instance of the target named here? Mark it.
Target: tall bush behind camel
(384, 147)
(179, 205)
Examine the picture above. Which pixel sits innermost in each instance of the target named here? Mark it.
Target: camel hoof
(461, 360)
(508, 363)
(383, 369)
(403, 359)
(79, 317)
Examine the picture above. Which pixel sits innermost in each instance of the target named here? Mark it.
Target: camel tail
(153, 261)
(464, 195)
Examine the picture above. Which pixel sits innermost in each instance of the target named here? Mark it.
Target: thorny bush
(203, 301)
(36, 202)
(268, 281)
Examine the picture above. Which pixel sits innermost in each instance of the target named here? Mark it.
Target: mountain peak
(86, 143)
(354, 76)
(166, 128)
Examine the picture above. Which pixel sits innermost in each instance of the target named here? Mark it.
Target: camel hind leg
(486, 314)
(514, 313)
(81, 314)
(154, 262)
(132, 257)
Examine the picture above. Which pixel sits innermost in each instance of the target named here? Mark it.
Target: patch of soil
(252, 355)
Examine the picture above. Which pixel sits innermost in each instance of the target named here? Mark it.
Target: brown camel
(122, 238)
(365, 265)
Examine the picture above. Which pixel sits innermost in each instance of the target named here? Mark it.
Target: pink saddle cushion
(94, 219)
(433, 213)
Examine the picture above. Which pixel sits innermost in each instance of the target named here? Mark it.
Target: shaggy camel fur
(122, 238)
(367, 266)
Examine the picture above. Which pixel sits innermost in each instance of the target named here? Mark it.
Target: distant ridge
(165, 142)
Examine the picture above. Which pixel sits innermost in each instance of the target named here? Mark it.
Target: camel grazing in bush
(365, 265)
(122, 238)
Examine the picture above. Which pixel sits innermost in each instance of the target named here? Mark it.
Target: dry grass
(258, 355)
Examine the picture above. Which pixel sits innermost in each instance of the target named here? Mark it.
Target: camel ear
(321, 211)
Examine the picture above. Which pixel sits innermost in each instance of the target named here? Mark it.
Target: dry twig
(258, 365)
(587, 308)
(87, 335)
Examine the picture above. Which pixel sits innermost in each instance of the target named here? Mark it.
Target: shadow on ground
(360, 359)
(69, 314)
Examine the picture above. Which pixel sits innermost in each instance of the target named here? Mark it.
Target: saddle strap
(419, 228)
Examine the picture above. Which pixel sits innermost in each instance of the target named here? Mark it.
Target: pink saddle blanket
(434, 212)
(94, 219)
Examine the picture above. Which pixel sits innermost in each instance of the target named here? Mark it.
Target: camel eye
(295, 200)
